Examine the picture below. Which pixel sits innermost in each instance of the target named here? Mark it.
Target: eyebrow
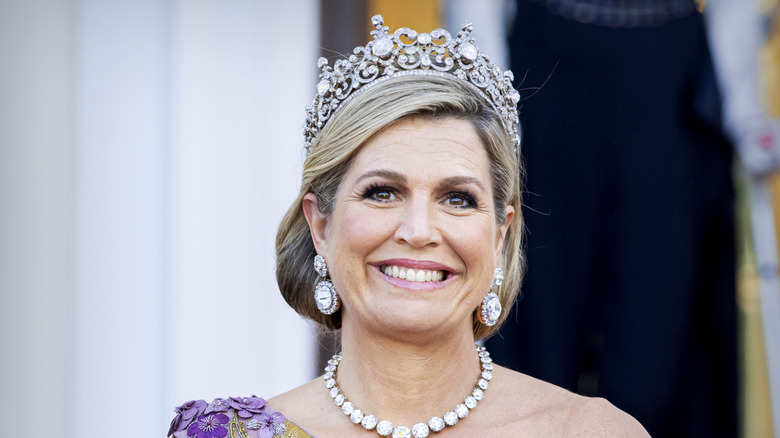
(462, 180)
(400, 178)
(388, 174)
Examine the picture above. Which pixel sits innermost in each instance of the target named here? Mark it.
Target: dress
(233, 417)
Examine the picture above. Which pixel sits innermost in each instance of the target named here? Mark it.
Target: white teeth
(419, 275)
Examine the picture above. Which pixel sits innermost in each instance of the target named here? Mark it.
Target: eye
(380, 193)
(460, 200)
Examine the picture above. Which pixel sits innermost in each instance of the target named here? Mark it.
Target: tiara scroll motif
(388, 55)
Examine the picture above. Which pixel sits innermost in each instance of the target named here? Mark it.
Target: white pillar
(35, 78)
(243, 72)
(120, 234)
(147, 152)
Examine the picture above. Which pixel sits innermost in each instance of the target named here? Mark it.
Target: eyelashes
(385, 194)
(461, 200)
(379, 192)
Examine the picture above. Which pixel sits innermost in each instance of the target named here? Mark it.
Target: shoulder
(310, 406)
(248, 417)
(596, 417)
(534, 405)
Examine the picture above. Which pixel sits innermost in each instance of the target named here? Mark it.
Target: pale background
(148, 150)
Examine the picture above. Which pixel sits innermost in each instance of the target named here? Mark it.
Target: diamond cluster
(388, 55)
(325, 292)
(419, 430)
(490, 309)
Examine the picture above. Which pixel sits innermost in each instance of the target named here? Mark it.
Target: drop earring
(489, 312)
(324, 292)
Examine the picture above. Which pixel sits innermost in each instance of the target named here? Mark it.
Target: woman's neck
(406, 382)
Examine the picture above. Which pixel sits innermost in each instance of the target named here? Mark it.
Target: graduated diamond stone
(483, 384)
(451, 418)
(468, 51)
(384, 428)
(356, 416)
(478, 394)
(420, 430)
(515, 96)
(436, 424)
(461, 410)
(471, 402)
(319, 261)
(340, 399)
(498, 275)
(402, 432)
(369, 422)
(334, 392)
(347, 408)
(492, 307)
(323, 295)
(382, 47)
(487, 375)
(322, 88)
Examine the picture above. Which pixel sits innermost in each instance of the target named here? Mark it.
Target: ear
(501, 232)
(316, 220)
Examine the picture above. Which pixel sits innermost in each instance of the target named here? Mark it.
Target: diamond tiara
(387, 56)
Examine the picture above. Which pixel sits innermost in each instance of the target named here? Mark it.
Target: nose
(418, 226)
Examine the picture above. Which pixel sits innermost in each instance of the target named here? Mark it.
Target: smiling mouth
(416, 275)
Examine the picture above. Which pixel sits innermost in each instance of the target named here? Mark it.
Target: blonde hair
(369, 112)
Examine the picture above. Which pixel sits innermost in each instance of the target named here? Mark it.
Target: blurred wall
(35, 79)
(148, 150)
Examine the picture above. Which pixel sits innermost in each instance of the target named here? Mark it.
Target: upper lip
(416, 264)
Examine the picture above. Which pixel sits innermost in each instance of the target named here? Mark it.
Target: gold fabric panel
(420, 15)
(770, 60)
(293, 431)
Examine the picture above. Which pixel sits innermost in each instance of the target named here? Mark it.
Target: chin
(413, 320)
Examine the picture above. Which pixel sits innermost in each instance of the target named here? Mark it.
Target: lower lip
(414, 285)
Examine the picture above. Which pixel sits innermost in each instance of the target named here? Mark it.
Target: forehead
(448, 146)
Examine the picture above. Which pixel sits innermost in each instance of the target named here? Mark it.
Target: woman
(407, 228)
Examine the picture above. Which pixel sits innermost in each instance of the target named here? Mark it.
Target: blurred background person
(630, 202)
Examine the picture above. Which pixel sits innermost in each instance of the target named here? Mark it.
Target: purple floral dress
(234, 417)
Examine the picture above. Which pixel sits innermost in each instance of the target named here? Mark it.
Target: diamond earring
(325, 293)
(489, 311)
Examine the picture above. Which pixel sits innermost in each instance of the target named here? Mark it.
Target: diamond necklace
(419, 430)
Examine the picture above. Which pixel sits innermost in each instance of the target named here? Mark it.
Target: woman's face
(412, 241)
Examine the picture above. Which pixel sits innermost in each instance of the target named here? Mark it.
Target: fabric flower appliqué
(185, 413)
(246, 407)
(218, 405)
(209, 426)
(267, 424)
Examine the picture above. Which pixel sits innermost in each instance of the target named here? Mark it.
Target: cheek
(359, 231)
(474, 239)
